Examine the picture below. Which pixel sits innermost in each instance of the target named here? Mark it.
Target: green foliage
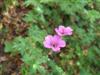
(82, 54)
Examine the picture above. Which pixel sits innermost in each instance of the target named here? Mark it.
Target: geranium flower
(54, 42)
(62, 31)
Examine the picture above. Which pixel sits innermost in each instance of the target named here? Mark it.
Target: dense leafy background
(82, 54)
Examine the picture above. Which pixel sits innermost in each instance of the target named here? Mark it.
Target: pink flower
(54, 42)
(62, 31)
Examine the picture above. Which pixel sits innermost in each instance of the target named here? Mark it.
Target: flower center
(54, 44)
(62, 31)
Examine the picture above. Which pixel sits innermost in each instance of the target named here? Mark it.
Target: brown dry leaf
(71, 62)
(1, 26)
(3, 58)
(85, 52)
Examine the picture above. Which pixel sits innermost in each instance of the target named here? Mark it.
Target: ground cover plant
(50, 37)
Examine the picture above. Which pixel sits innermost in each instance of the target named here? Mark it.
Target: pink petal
(69, 28)
(61, 27)
(56, 37)
(58, 32)
(47, 44)
(49, 37)
(56, 49)
(62, 43)
(47, 41)
(69, 31)
(61, 30)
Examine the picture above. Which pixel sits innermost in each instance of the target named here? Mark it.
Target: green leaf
(37, 34)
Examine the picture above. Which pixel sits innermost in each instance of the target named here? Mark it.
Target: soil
(13, 21)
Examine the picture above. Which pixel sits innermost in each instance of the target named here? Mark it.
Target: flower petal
(47, 44)
(68, 31)
(56, 49)
(62, 43)
(58, 32)
(49, 37)
(56, 37)
(61, 27)
(47, 41)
